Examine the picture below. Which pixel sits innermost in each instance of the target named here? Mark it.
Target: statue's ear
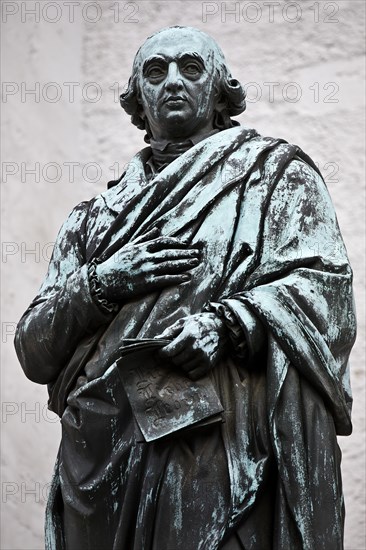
(140, 109)
(221, 104)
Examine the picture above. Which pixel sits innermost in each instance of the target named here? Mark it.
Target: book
(163, 399)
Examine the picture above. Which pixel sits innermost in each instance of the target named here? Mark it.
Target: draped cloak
(272, 254)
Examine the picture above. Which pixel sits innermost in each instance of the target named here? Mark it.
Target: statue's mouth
(174, 99)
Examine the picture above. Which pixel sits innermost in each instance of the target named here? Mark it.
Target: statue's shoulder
(131, 178)
(284, 157)
(89, 210)
(76, 217)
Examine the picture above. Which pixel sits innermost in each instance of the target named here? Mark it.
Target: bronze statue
(194, 329)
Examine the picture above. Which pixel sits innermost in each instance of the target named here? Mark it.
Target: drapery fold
(273, 255)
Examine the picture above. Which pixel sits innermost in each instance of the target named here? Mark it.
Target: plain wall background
(303, 63)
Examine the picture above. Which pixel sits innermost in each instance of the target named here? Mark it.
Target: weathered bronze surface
(194, 329)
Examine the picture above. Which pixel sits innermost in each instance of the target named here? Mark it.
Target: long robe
(268, 477)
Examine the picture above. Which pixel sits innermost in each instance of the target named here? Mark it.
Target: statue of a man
(221, 247)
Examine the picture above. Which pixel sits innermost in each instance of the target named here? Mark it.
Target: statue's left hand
(198, 343)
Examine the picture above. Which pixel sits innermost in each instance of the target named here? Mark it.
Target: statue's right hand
(143, 267)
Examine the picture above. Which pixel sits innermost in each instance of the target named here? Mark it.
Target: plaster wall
(303, 63)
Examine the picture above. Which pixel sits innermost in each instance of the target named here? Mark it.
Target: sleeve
(64, 309)
(246, 333)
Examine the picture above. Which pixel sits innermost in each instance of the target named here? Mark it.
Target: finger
(177, 266)
(175, 328)
(167, 334)
(170, 332)
(178, 345)
(187, 356)
(148, 236)
(167, 242)
(173, 254)
(162, 281)
(197, 373)
(191, 365)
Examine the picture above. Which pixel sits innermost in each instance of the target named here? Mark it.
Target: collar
(164, 151)
(162, 144)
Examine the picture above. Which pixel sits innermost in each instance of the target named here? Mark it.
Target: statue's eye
(192, 69)
(155, 72)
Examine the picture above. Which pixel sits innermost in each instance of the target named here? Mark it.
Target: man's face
(176, 81)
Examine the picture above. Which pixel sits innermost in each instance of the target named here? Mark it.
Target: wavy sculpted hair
(231, 99)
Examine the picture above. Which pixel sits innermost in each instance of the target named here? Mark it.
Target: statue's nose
(174, 78)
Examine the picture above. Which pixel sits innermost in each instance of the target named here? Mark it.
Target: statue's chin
(177, 125)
